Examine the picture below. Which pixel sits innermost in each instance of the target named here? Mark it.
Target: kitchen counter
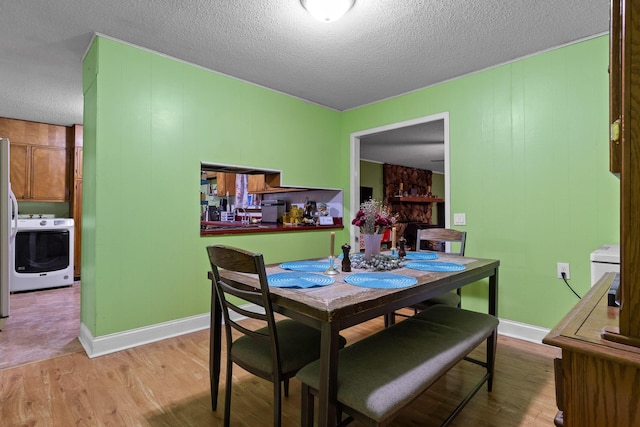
(215, 228)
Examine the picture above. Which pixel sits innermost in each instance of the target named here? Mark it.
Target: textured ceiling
(419, 146)
(379, 49)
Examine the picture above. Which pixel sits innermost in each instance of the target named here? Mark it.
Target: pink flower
(373, 218)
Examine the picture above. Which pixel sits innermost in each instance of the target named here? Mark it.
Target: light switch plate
(459, 219)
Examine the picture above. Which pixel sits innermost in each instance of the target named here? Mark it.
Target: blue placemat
(441, 267)
(380, 280)
(307, 266)
(421, 255)
(297, 279)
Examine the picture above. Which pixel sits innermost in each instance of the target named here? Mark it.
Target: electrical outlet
(563, 267)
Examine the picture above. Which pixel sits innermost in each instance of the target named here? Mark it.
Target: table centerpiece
(373, 219)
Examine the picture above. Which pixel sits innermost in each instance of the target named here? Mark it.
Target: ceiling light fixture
(327, 10)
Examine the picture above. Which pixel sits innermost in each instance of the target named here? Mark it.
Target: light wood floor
(42, 324)
(166, 384)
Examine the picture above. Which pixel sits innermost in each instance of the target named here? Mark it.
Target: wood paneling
(50, 169)
(34, 133)
(41, 160)
(599, 377)
(629, 176)
(76, 196)
(20, 170)
(615, 88)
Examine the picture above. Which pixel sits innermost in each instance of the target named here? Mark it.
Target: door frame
(354, 204)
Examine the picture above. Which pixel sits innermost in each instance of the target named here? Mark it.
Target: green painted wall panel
(528, 166)
(156, 119)
(371, 176)
(528, 150)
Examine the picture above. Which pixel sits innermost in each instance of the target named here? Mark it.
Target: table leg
(493, 293)
(328, 375)
(215, 347)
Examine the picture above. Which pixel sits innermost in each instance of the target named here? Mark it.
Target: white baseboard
(99, 346)
(105, 344)
(523, 331)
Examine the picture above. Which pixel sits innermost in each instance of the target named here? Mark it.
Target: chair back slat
(442, 236)
(238, 260)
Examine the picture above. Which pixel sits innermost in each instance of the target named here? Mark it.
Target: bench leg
(492, 342)
(389, 319)
(306, 409)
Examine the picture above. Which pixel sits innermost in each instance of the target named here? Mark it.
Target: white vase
(371, 245)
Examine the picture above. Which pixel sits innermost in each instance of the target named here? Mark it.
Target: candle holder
(402, 251)
(332, 268)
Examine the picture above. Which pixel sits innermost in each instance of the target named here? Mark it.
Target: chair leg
(227, 393)
(277, 403)
(286, 387)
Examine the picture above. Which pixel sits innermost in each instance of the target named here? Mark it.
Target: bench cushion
(382, 373)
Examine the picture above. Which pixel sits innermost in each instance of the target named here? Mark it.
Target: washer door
(41, 251)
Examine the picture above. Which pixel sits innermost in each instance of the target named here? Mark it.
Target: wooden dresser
(598, 376)
(597, 380)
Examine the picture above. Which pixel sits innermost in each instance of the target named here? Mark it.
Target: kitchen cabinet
(40, 173)
(20, 170)
(226, 182)
(40, 160)
(263, 183)
(268, 183)
(50, 174)
(596, 378)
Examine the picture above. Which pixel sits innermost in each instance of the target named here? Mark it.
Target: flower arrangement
(373, 217)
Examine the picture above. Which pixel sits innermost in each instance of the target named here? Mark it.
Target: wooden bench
(381, 374)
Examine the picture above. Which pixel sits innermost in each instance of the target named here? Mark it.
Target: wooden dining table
(342, 305)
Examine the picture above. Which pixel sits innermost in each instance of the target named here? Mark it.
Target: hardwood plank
(166, 384)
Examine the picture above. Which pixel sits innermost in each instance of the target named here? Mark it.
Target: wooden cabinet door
(50, 173)
(226, 183)
(615, 88)
(255, 183)
(20, 170)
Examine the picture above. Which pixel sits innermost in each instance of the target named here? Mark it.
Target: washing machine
(42, 254)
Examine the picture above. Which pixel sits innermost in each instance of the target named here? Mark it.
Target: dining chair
(437, 240)
(274, 351)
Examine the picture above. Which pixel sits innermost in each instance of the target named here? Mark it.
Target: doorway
(390, 142)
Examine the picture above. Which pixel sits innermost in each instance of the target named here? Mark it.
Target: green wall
(149, 122)
(528, 167)
(371, 176)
